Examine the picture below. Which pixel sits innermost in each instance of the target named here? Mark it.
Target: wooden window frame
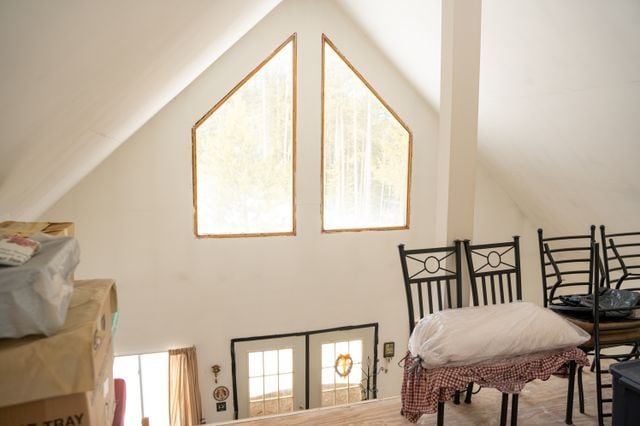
(291, 39)
(327, 41)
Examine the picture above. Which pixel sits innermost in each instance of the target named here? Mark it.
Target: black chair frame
(443, 290)
(582, 246)
(502, 281)
(598, 314)
(612, 245)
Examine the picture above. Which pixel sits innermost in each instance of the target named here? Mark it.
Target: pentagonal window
(244, 154)
(366, 152)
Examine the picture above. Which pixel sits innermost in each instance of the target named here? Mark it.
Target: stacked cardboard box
(26, 229)
(67, 378)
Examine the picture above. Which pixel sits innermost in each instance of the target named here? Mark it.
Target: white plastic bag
(34, 297)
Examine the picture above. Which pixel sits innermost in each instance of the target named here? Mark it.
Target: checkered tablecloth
(423, 388)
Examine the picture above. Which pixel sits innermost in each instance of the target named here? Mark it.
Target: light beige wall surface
(497, 218)
(134, 219)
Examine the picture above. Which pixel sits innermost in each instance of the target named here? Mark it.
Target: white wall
(134, 219)
(497, 218)
(79, 78)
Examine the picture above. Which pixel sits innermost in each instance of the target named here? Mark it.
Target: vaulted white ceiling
(559, 120)
(559, 123)
(79, 77)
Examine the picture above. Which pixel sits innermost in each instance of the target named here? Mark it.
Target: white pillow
(472, 335)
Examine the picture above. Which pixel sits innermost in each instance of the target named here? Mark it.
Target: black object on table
(626, 393)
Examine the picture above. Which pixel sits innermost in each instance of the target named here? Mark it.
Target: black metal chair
(497, 278)
(568, 260)
(498, 275)
(608, 335)
(575, 264)
(433, 282)
(621, 258)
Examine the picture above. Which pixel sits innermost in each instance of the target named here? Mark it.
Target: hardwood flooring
(541, 403)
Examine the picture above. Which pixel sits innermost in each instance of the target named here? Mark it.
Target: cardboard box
(61, 229)
(70, 361)
(26, 229)
(95, 407)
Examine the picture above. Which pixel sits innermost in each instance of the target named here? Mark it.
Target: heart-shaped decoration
(343, 365)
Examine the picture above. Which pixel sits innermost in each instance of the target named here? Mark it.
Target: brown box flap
(37, 367)
(27, 229)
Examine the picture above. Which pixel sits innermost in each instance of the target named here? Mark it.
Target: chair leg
(440, 413)
(580, 390)
(596, 362)
(467, 398)
(503, 411)
(572, 375)
(456, 398)
(514, 409)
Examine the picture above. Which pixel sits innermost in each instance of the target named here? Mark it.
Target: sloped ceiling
(559, 120)
(559, 90)
(79, 77)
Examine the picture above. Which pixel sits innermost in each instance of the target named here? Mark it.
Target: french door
(338, 364)
(285, 373)
(271, 376)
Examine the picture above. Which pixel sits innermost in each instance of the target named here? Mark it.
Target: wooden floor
(541, 403)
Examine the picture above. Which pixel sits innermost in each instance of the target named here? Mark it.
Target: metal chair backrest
(621, 258)
(494, 271)
(566, 263)
(434, 271)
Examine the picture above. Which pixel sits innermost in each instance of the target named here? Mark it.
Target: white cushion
(473, 335)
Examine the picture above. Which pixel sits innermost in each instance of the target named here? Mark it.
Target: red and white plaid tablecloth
(423, 388)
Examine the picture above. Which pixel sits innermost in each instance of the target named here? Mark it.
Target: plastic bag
(34, 297)
(608, 298)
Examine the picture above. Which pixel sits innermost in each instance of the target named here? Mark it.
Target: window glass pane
(285, 405)
(342, 396)
(355, 349)
(270, 386)
(366, 154)
(355, 394)
(285, 359)
(126, 367)
(270, 407)
(271, 362)
(356, 374)
(255, 364)
(155, 387)
(328, 399)
(327, 376)
(256, 409)
(286, 384)
(255, 388)
(342, 348)
(328, 355)
(341, 382)
(244, 155)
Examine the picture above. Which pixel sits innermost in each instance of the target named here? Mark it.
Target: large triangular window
(366, 152)
(244, 153)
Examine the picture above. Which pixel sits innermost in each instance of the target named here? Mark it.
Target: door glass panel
(344, 357)
(270, 382)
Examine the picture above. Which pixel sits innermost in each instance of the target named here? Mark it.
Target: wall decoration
(221, 393)
(215, 370)
(343, 365)
(389, 349)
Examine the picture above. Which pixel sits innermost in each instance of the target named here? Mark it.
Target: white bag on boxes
(34, 297)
